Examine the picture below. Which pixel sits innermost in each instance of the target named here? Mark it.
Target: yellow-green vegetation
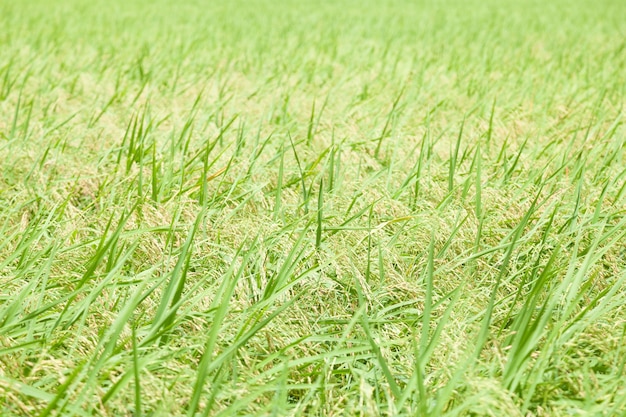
(325, 208)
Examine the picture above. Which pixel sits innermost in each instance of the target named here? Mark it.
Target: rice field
(320, 208)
